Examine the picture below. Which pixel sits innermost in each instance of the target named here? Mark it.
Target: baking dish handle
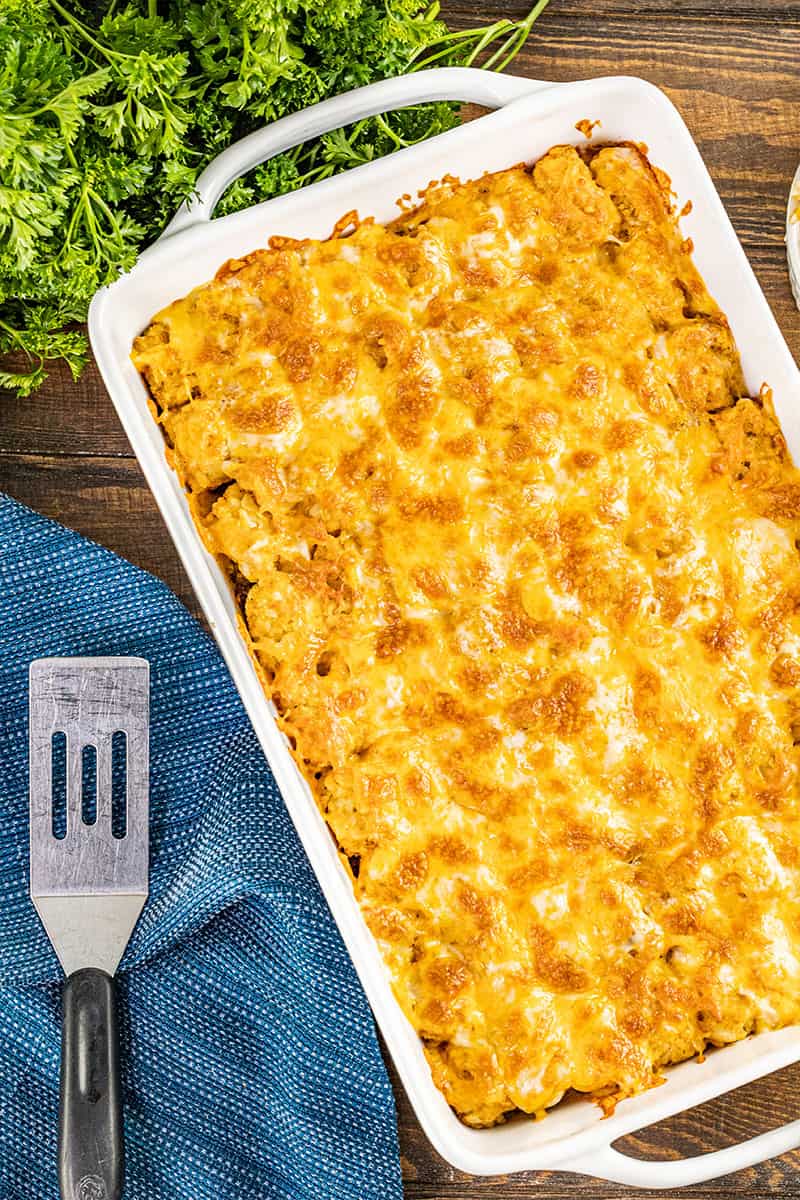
(604, 1162)
(444, 83)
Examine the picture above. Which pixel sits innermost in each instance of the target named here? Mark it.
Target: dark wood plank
(768, 15)
(461, 14)
(733, 72)
(62, 418)
(107, 500)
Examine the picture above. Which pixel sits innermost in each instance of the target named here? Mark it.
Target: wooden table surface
(733, 69)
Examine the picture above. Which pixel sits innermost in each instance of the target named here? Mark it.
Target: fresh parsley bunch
(109, 112)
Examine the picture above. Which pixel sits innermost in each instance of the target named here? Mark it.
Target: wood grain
(734, 73)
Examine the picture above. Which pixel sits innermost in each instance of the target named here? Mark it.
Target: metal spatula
(89, 851)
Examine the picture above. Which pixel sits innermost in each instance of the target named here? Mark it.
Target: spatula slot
(89, 785)
(58, 784)
(119, 784)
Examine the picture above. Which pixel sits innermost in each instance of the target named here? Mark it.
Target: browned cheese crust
(516, 555)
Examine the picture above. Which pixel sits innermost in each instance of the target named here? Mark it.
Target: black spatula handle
(90, 1145)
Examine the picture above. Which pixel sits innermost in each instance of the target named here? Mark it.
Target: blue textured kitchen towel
(251, 1066)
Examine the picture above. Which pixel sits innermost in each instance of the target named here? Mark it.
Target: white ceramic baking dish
(793, 235)
(529, 118)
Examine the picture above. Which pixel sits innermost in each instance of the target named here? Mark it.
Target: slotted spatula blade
(89, 884)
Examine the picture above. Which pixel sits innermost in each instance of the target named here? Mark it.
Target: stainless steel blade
(89, 886)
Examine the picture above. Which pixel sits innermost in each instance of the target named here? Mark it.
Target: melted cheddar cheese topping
(516, 557)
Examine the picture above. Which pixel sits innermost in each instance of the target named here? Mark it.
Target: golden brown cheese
(517, 558)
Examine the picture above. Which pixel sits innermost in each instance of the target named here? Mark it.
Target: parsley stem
(85, 34)
(112, 220)
(14, 334)
(469, 44)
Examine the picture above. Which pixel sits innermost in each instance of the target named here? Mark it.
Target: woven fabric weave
(251, 1068)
